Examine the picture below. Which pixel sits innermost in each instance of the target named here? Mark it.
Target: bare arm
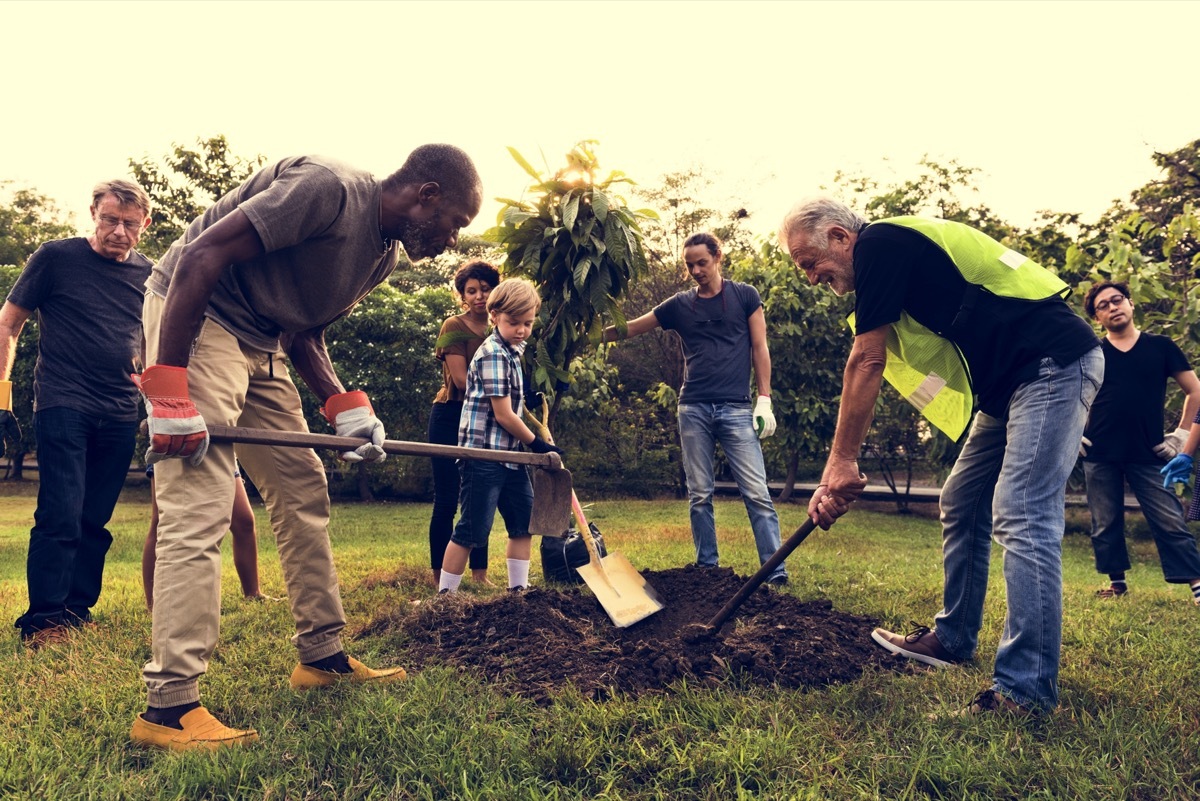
(12, 320)
(637, 327)
(311, 359)
(508, 419)
(457, 365)
(760, 356)
(841, 482)
(1186, 380)
(231, 239)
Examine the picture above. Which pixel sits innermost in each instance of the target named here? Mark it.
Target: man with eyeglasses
(1124, 443)
(87, 292)
(974, 335)
(724, 334)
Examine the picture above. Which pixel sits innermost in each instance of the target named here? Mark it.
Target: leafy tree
(581, 245)
(26, 221)
(809, 341)
(385, 348)
(22, 382)
(184, 183)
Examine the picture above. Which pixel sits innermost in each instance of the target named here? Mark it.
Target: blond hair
(127, 193)
(514, 297)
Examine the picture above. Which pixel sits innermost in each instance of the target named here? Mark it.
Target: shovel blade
(625, 595)
(552, 490)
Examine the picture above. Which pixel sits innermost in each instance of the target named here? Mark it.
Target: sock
(1118, 582)
(1196, 592)
(449, 582)
(169, 715)
(336, 663)
(518, 573)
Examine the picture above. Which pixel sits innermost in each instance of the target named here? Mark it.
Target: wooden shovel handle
(758, 578)
(298, 439)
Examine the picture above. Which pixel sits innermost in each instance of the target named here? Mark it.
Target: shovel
(551, 503)
(616, 583)
(754, 582)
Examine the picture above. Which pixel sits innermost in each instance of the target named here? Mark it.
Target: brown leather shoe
(305, 677)
(991, 702)
(51, 635)
(201, 731)
(920, 644)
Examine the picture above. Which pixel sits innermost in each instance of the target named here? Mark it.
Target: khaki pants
(232, 384)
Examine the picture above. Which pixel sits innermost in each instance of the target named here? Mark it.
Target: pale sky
(1060, 104)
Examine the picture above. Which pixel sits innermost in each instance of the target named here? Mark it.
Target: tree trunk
(364, 482)
(789, 483)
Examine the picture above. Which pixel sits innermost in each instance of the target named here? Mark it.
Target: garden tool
(553, 503)
(623, 592)
(754, 582)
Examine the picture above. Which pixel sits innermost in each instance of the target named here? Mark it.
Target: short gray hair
(127, 193)
(814, 216)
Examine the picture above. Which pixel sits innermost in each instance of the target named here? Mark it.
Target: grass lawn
(1128, 726)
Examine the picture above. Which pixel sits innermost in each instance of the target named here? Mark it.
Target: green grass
(1128, 727)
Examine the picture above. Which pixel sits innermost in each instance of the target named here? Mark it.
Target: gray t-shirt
(716, 341)
(318, 220)
(89, 314)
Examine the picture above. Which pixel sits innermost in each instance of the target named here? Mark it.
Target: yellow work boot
(305, 677)
(200, 731)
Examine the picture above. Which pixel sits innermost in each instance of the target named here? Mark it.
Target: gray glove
(1171, 445)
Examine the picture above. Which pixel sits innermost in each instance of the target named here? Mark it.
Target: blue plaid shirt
(495, 371)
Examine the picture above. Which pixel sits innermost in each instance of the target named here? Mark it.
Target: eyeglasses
(1115, 303)
(131, 226)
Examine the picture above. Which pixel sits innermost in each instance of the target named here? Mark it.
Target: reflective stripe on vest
(927, 369)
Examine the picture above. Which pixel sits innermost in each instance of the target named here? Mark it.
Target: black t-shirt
(1002, 339)
(716, 341)
(1126, 420)
(89, 313)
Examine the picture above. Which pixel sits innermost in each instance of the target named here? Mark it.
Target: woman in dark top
(460, 337)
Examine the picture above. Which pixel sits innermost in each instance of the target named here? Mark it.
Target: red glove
(176, 428)
(351, 414)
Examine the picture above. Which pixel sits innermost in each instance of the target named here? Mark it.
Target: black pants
(443, 430)
(83, 461)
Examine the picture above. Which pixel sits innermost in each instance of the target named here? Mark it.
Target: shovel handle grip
(755, 581)
(304, 439)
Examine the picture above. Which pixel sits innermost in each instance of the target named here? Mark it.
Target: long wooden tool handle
(297, 439)
(758, 578)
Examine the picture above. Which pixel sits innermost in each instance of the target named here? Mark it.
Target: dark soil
(537, 641)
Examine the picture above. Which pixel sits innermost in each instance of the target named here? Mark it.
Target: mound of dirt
(537, 641)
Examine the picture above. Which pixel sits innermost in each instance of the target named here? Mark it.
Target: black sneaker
(517, 589)
(778, 581)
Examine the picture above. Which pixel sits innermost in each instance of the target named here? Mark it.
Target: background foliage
(599, 261)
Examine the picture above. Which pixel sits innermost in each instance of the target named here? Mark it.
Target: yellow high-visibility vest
(928, 370)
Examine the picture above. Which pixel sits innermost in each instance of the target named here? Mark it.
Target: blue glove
(1177, 471)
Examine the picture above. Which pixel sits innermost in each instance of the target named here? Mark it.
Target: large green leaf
(580, 274)
(570, 211)
(599, 204)
(525, 165)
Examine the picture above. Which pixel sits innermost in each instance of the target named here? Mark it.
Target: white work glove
(764, 420)
(175, 426)
(1084, 444)
(351, 414)
(1171, 445)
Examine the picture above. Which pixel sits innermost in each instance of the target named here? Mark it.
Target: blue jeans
(488, 487)
(443, 430)
(1009, 483)
(82, 464)
(1162, 510)
(701, 427)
